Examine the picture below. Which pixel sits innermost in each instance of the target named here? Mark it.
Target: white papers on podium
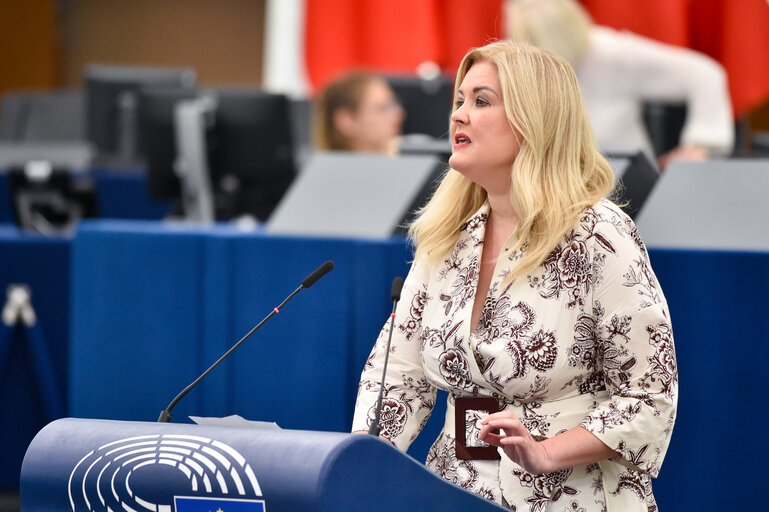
(233, 420)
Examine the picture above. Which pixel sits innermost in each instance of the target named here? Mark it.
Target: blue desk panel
(6, 201)
(125, 195)
(43, 265)
(718, 303)
(138, 319)
(169, 302)
(307, 347)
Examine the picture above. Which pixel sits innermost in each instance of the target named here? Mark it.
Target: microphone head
(395, 292)
(319, 272)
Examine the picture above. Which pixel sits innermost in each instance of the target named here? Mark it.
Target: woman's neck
(504, 216)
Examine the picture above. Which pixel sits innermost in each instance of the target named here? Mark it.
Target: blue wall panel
(298, 370)
(137, 321)
(718, 304)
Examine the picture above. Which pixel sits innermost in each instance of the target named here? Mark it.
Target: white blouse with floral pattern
(584, 340)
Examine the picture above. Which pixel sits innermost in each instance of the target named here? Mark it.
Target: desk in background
(152, 306)
(170, 302)
(120, 194)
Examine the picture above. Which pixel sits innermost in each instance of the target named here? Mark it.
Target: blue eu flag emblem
(194, 504)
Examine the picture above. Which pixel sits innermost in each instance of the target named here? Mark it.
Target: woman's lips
(461, 140)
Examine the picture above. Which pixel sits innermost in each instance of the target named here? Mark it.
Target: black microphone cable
(165, 415)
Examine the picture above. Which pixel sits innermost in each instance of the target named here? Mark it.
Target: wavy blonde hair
(557, 173)
(558, 26)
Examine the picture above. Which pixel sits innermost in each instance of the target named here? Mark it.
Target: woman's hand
(516, 441)
(688, 152)
(568, 449)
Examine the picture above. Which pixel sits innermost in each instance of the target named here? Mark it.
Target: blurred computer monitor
(54, 116)
(248, 146)
(251, 151)
(111, 106)
(157, 138)
(427, 103)
(664, 122)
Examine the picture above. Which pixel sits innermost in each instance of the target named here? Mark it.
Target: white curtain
(284, 64)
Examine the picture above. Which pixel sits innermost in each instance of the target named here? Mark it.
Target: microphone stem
(165, 416)
(375, 427)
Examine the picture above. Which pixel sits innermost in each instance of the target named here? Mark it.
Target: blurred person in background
(618, 71)
(358, 111)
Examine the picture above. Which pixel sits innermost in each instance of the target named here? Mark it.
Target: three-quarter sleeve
(408, 397)
(639, 363)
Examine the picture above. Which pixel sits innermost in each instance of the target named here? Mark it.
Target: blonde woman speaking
(531, 300)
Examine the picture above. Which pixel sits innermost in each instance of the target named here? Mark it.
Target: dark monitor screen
(427, 103)
(637, 176)
(664, 122)
(249, 147)
(157, 138)
(250, 151)
(111, 105)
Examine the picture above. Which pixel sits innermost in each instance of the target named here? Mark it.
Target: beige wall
(221, 39)
(29, 45)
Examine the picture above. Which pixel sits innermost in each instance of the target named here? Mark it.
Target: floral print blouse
(584, 340)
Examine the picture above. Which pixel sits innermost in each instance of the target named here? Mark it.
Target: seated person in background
(358, 112)
(618, 71)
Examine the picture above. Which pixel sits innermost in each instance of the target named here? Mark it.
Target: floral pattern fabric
(584, 340)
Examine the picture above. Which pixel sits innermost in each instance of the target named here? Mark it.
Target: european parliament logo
(192, 504)
(164, 473)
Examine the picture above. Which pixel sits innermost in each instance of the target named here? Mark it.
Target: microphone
(319, 272)
(165, 415)
(395, 295)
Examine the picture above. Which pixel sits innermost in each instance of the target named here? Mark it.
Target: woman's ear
(344, 122)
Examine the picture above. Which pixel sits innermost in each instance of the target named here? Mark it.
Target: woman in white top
(618, 71)
(532, 295)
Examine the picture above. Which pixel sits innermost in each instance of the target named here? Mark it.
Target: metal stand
(192, 161)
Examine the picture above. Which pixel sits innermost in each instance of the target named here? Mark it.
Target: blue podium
(99, 465)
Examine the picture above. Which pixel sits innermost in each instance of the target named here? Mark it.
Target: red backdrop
(398, 35)
(394, 35)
